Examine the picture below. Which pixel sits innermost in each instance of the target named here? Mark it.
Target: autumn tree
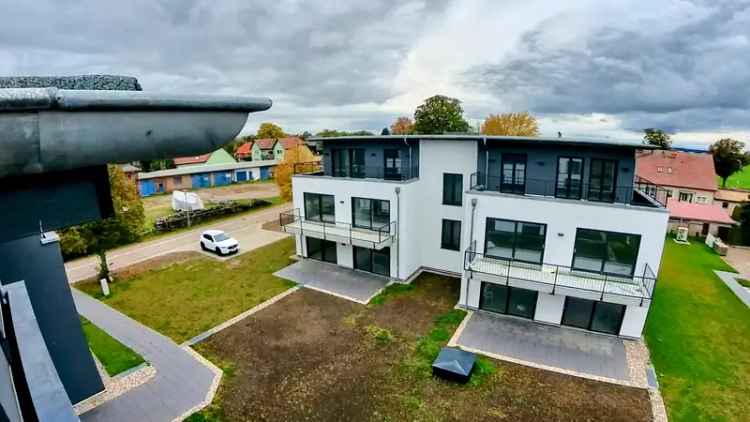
(402, 126)
(657, 137)
(729, 157)
(298, 159)
(440, 114)
(510, 124)
(270, 130)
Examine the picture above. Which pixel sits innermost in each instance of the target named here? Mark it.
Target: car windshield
(220, 237)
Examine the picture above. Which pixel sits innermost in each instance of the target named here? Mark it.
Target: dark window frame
(323, 249)
(592, 312)
(490, 220)
(454, 244)
(356, 250)
(371, 226)
(568, 188)
(512, 158)
(604, 261)
(392, 172)
(599, 197)
(449, 195)
(508, 296)
(349, 168)
(320, 207)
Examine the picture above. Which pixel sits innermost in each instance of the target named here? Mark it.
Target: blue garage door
(201, 180)
(242, 175)
(265, 173)
(146, 187)
(222, 178)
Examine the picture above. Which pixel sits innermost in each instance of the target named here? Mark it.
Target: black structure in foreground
(454, 364)
(55, 145)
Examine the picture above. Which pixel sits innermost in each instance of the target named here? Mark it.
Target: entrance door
(603, 317)
(322, 250)
(508, 300)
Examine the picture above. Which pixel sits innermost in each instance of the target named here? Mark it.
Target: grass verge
(698, 333)
(114, 356)
(184, 299)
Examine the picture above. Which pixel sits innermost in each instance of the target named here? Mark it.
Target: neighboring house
(131, 171)
(203, 176)
(686, 176)
(244, 152)
(549, 229)
(263, 149)
(700, 219)
(729, 199)
(220, 156)
(285, 144)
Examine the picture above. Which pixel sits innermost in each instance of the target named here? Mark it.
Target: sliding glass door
(370, 260)
(508, 300)
(322, 250)
(606, 252)
(371, 214)
(348, 162)
(602, 180)
(603, 317)
(320, 207)
(569, 178)
(513, 178)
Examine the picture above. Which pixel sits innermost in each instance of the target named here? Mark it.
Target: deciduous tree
(298, 158)
(729, 157)
(269, 130)
(657, 137)
(402, 126)
(440, 114)
(510, 124)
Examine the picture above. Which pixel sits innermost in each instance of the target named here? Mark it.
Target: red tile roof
(265, 143)
(698, 212)
(196, 159)
(244, 149)
(291, 142)
(677, 168)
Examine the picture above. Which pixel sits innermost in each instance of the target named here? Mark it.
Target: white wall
(549, 308)
(634, 320)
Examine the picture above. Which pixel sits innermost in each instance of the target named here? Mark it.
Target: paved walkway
(182, 380)
(546, 346)
(730, 279)
(357, 286)
(246, 229)
(739, 259)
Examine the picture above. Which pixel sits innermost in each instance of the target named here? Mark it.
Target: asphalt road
(246, 229)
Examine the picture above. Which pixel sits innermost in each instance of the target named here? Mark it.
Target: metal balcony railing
(376, 237)
(570, 189)
(356, 171)
(556, 276)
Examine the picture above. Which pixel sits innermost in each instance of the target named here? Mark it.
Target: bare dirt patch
(316, 357)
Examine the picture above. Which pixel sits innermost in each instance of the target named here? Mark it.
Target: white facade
(417, 208)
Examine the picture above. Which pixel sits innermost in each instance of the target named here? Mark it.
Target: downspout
(398, 229)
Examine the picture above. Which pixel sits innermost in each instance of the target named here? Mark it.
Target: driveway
(739, 259)
(545, 345)
(246, 229)
(357, 286)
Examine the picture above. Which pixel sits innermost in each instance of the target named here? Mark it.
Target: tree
(402, 126)
(284, 171)
(729, 157)
(510, 124)
(385, 131)
(154, 165)
(657, 137)
(330, 133)
(440, 114)
(269, 130)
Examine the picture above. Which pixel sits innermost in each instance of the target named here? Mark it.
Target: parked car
(219, 242)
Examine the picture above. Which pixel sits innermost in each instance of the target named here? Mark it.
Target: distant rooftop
(530, 139)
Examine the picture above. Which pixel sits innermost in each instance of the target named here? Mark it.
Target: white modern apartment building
(550, 229)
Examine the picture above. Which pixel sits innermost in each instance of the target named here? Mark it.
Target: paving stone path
(183, 381)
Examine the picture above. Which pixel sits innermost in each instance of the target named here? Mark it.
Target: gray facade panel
(374, 156)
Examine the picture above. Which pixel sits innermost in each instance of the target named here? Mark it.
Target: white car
(219, 242)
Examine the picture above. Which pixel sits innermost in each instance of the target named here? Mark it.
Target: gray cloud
(676, 73)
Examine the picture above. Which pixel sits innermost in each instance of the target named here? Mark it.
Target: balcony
(554, 279)
(640, 193)
(376, 238)
(356, 171)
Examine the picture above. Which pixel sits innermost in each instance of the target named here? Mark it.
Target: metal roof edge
(529, 139)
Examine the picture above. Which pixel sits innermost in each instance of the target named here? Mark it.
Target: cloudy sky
(595, 68)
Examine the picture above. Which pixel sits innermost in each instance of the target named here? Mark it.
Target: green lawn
(114, 356)
(741, 179)
(698, 333)
(182, 300)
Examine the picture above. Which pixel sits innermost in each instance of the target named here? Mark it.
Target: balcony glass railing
(572, 189)
(376, 237)
(557, 276)
(358, 171)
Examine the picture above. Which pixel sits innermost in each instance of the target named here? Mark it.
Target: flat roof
(206, 168)
(622, 143)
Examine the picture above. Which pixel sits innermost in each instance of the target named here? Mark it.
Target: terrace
(376, 238)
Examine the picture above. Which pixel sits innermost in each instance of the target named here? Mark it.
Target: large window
(569, 177)
(370, 214)
(392, 164)
(513, 173)
(606, 252)
(508, 300)
(322, 250)
(515, 240)
(348, 162)
(319, 207)
(378, 262)
(602, 180)
(603, 317)
(453, 186)
(451, 235)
